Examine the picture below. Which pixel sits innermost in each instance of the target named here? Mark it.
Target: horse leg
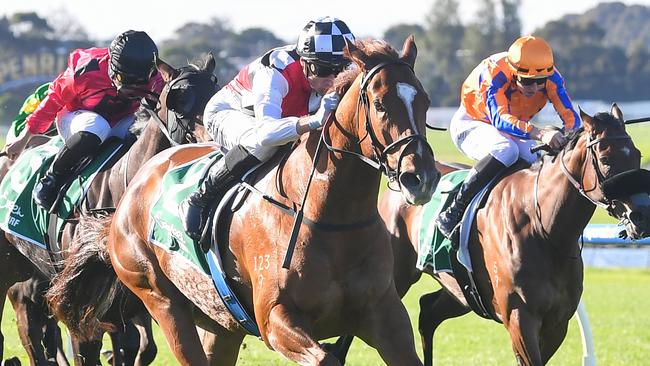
(86, 353)
(524, 329)
(147, 349)
(387, 328)
(435, 308)
(30, 321)
(551, 337)
(220, 349)
(288, 332)
(13, 268)
(340, 348)
(54, 342)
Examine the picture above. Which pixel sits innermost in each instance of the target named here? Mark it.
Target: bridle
(592, 155)
(187, 115)
(380, 160)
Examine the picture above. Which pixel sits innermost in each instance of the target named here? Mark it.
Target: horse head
(391, 112)
(611, 176)
(182, 100)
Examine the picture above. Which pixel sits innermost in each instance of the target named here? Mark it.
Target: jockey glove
(328, 104)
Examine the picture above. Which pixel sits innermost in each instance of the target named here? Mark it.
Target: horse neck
(344, 188)
(567, 212)
(150, 142)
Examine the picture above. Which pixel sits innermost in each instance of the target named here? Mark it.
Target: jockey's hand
(553, 138)
(327, 105)
(14, 148)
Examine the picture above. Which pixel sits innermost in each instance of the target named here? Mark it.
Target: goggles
(531, 81)
(324, 70)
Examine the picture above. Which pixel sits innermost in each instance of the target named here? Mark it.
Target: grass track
(616, 299)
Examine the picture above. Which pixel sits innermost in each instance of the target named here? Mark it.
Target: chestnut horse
(340, 280)
(184, 88)
(524, 242)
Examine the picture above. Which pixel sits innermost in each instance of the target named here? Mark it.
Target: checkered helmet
(322, 41)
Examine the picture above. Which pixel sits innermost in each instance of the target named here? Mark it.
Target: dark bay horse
(182, 101)
(340, 279)
(524, 243)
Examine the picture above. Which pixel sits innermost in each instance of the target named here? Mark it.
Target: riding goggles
(531, 81)
(324, 70)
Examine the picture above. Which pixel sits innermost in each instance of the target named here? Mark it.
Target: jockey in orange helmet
(498, 100)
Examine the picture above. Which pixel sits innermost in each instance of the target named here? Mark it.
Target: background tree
(396, 35)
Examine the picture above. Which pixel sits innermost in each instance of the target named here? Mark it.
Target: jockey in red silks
(498, 100)
(272, 101)
(94, 98)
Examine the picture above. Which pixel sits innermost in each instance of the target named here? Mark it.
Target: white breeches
(477, 139)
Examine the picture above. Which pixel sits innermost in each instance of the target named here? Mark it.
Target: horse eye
(378, 106)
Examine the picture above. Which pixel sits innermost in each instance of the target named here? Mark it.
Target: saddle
(167, 230)
(23, 218)
(460, 260)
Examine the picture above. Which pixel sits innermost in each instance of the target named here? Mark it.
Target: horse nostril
(409, 180)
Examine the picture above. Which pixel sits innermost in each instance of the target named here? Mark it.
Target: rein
(381, 161)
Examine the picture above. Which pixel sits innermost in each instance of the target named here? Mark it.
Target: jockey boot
(448, 222)
(77, 148)
(194, 210)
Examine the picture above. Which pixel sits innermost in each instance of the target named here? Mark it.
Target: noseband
(381, 152)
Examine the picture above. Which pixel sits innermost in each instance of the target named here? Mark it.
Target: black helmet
(132, 58)
(322, 41)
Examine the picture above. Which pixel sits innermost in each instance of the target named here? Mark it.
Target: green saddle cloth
(19, 214)
(433, 247)
(167, 229)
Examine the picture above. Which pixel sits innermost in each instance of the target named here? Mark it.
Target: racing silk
(273, 86)
(490, 94)
(85, 85)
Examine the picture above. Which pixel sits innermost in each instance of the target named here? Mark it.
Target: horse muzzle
(417, 185)
(637, 216)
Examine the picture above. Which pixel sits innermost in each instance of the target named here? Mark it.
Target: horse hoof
(14, 361)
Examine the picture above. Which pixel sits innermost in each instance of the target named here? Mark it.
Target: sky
(285, 18)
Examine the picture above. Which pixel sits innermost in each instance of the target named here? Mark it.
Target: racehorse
(185, 94)
(340, 278)
(524, 242)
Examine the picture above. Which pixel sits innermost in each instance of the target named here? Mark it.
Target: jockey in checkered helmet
(321, 45)
(281, 95)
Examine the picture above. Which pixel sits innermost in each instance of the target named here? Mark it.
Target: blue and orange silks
(490, 94)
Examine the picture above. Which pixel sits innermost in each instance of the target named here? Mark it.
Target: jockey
(498, 100)
(267, 105)
(93, 99)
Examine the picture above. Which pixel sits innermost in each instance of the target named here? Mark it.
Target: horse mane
(142, 117)
(375, 51)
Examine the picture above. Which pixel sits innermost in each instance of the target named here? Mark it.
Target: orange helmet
(531, 57)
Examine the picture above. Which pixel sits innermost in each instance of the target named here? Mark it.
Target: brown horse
(340, 280)
(524, 242)
(180, 97)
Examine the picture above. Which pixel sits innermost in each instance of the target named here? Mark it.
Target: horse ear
(210, 63)
(409, 51)
(616, 112)
(587, 121)
(353, 53)
(165, 69)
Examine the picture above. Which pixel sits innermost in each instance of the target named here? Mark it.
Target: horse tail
(84, 291)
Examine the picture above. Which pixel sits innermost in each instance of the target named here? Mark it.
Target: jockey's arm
(561, 101)
(497, 105)
(61, 91)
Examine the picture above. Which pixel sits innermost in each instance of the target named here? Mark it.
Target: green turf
(616, 299)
